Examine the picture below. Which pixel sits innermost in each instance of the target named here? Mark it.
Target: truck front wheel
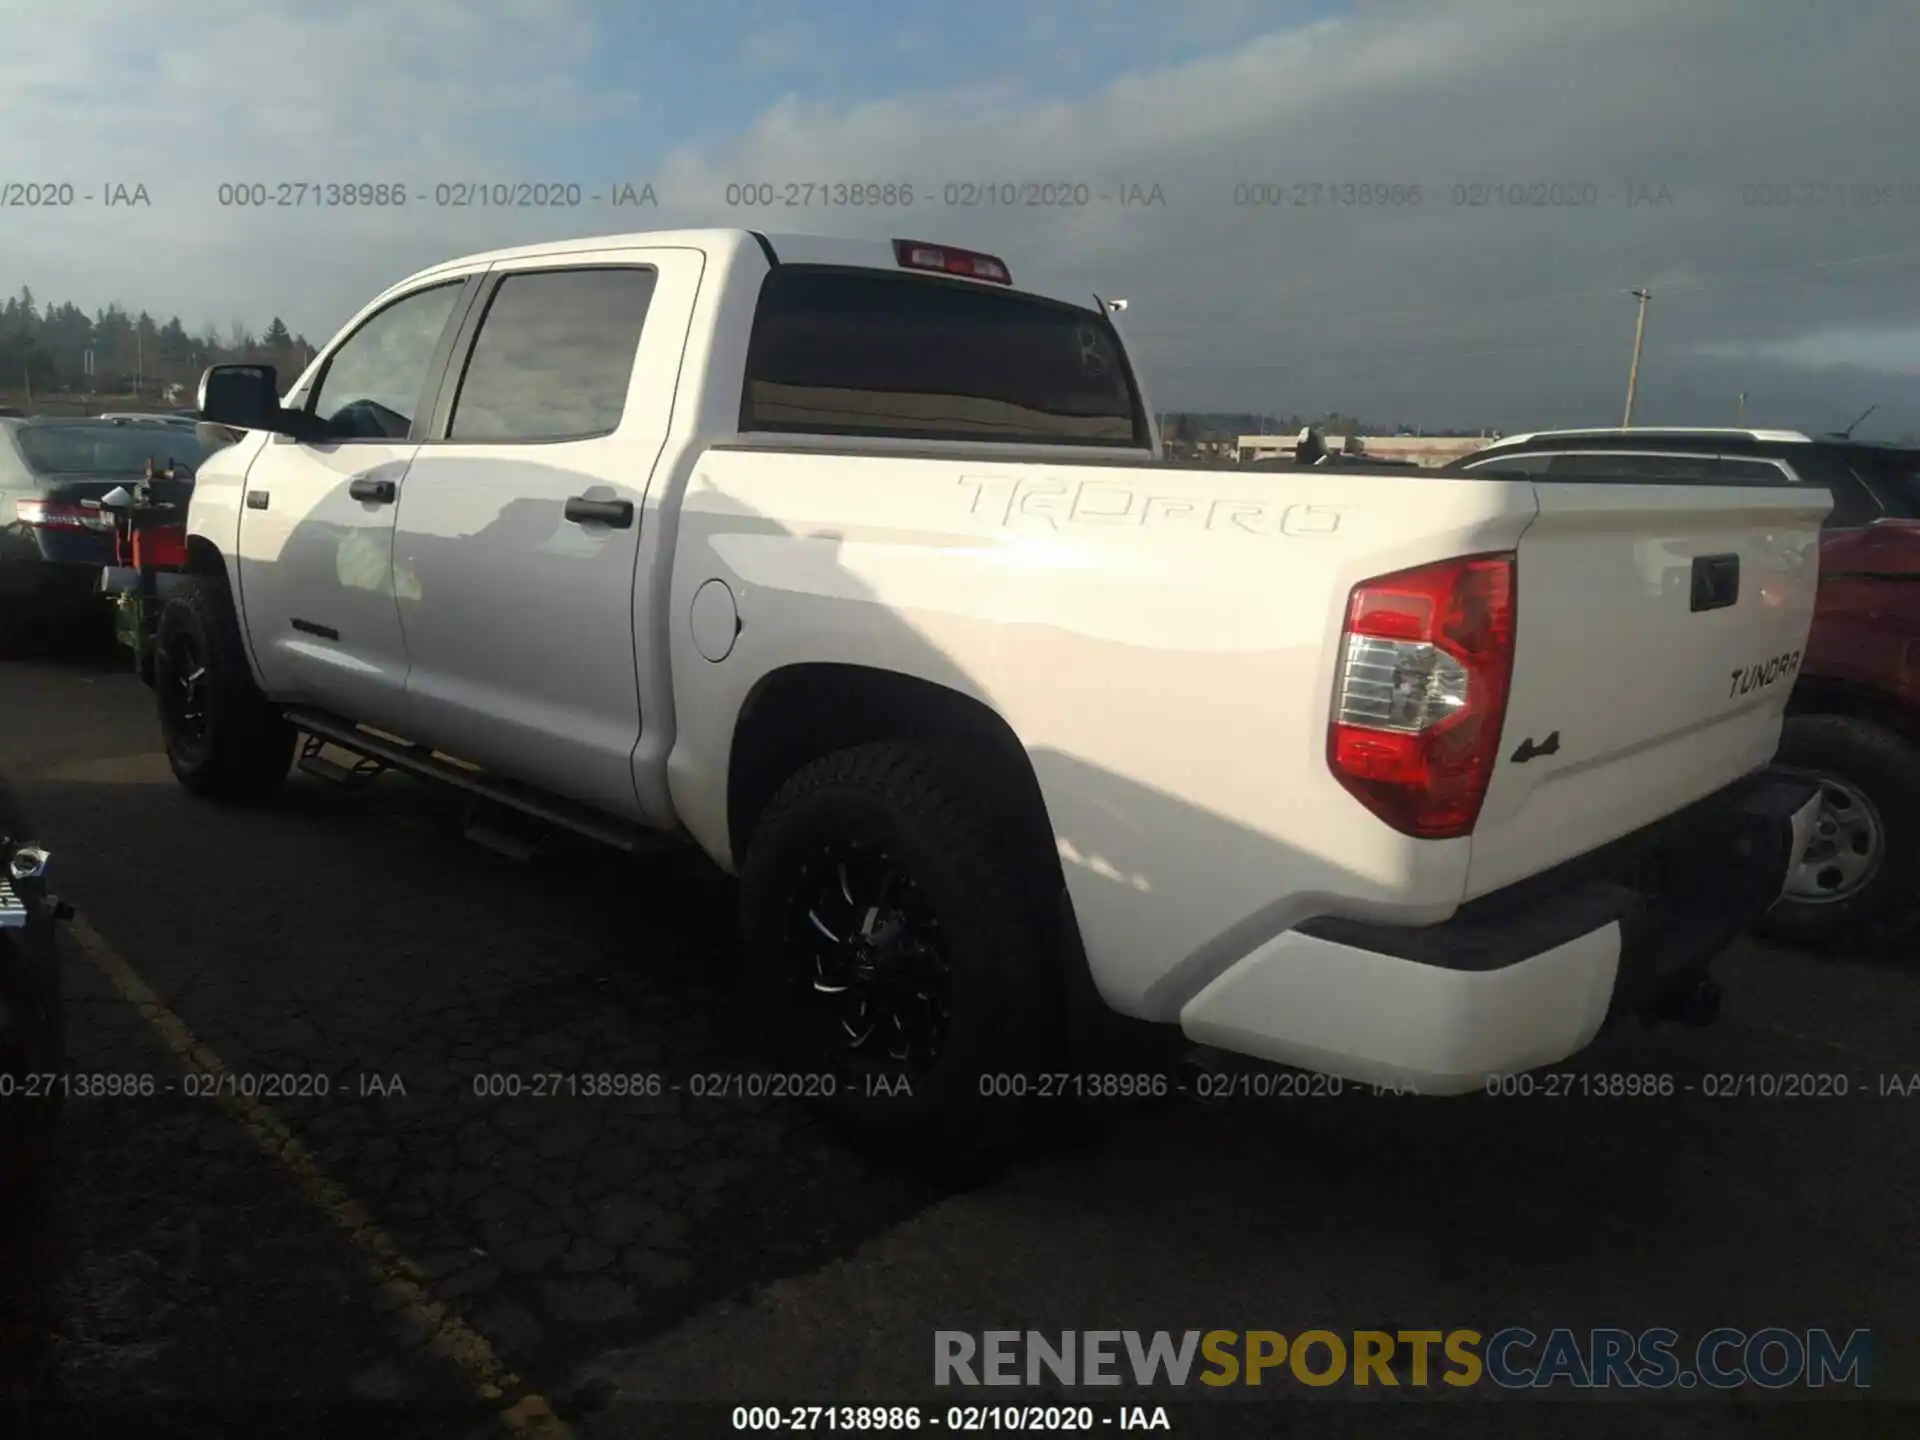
(900, 969)
(223, 740)
(1855, 887)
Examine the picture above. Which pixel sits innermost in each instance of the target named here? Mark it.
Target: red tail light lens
(51, 515)
(1421, 693)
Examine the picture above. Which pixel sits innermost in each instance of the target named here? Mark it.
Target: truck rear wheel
(223, 739)
(1856, 885)
(895, 958)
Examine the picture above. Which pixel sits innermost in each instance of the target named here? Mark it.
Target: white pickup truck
(857, 566)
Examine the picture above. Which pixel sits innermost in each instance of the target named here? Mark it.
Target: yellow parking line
(396, 1275)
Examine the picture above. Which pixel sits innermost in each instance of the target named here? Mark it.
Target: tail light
(945, 260)
(52, 515)
(1426, 657)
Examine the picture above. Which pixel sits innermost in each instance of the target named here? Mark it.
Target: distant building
(1424, 450)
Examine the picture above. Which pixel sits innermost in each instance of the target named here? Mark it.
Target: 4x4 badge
(1527, 750)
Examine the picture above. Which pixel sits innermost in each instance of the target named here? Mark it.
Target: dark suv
(1854, 720)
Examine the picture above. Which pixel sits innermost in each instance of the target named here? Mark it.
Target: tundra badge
(1750, 678)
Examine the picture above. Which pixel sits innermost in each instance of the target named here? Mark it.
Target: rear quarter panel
(1161, 641)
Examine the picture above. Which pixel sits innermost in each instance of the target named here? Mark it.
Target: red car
(1855, 722)
(1855, 717)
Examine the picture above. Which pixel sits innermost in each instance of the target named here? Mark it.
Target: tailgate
(1660, 628)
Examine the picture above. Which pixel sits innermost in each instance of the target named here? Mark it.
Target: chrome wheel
(868, 961)
(1846, 849)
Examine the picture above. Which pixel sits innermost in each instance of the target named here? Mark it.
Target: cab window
(376, 381)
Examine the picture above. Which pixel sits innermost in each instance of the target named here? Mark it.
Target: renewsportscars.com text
(1514, 1358)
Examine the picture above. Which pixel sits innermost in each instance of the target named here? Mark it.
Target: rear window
(107, 449)
(862, 352)
(1896, 479)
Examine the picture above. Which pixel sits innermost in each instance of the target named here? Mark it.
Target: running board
(424, 762)
(358, 776)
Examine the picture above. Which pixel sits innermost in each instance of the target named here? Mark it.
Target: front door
(316, 528)
(518, 535)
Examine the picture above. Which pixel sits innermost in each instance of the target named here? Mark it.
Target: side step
(383, 752)
(357, 776)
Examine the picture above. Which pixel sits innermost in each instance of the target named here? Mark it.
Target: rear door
(518, 536)
(1663, 609)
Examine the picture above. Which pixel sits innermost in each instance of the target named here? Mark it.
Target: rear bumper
(1521, 978)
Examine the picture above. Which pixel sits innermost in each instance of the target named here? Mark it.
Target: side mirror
(247, 397)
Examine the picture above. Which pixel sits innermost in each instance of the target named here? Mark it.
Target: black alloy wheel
(184, 696)
(869, 960)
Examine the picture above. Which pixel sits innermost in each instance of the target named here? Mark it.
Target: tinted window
(1853, 503)
(106, 449)
(1895, 480)
(838, 352)
(374, 383)
(1640, 469)
(554, 356)
(1751, 472)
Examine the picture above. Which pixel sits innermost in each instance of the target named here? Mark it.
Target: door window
(554, 356)
(376, 381)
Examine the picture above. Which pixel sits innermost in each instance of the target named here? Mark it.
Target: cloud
(780, 46)
(1893, 352)
(1743, 158)
(1653, 143)
(272, 94)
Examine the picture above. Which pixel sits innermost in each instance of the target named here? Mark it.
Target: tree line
(44, 349)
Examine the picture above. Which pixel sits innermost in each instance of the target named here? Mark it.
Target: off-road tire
(247, 747)
(929, 806)
(1885, 767)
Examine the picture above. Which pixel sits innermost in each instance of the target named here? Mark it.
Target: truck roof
(791, 247)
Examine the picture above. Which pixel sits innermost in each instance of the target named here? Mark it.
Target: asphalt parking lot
(371, 1230)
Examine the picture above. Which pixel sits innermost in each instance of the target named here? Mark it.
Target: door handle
(378, 492)
(617, 513)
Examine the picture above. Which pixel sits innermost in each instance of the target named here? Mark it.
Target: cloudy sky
(1751, 161)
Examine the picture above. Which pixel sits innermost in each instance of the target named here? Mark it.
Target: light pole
(1639, 338)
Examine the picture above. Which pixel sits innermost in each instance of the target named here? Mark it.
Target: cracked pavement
(653, 1246)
